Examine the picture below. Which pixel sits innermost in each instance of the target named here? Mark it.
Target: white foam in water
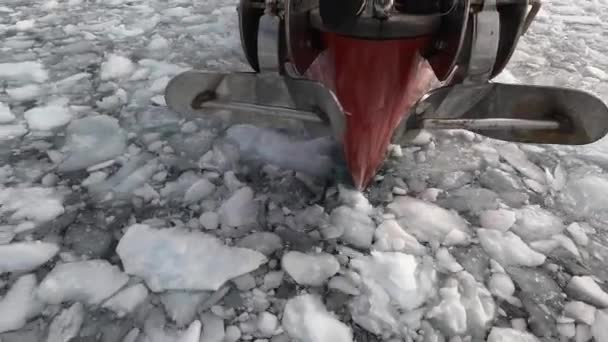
(90, 282)
(177, 259)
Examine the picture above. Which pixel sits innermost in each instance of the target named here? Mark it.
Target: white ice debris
(192, 334)
(10, 132)
(306, 319)
(584, 288)
(256, 143)
(508, 249)
(24, 72)
(177, 259)
(407, 281)
(535, 223)
(449, 315)
(66, 325)
(213, 328)
(354, 227)
(209, 220)
(390, 237)
(25, 93)
(518, 159)
(92, 140)
(48, 117)
(500, 219)
(584, 196)
(580, 311)
(116, 67)
(599, 329)
(263, 242)
(446, 261)
(510, 335)
(35, 204)
(90, 282)
(344, 285)
(578, 234)
(6, 115)
(19, 304)
(267, 324)
(25, 256)
(240, 209)
(426, 221)
(125, 301)
(501, 285)
(199, 191)
(181, 305)
(310, 269)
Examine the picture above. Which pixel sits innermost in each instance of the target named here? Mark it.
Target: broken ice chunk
(35, 203)
(48, 117)
(181, 306)
(263, 242)
(310, 269)
(599, 329)
(518, 159)
(535, 223)
(584, 197)
(92, 140)
(198, 191)
(6, 115)
(209, 220)
(175, 259)
(508, 249)
(501, 285)
(584, 288)
(66, 325)
(267, 324)
(580, 311)
(213, 328)
(25, 256)
(357, 227)
(407, 281)
(426, 221)
(578, 234)
(28, 71)
(19, 304)
(500, 219)
(10, 132)
(446, 261)
(240, 209)
(390, 237)
(306, 319)
(127, 300)
(510, 335)
(192, 334)
(449, 315)
(89, 281)
(116, 67)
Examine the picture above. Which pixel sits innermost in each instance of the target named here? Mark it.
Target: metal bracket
(484, 45)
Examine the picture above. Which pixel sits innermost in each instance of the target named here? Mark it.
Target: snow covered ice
(123, 221)
(175, 259)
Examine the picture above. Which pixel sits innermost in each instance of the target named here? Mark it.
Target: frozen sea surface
(123, 221)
